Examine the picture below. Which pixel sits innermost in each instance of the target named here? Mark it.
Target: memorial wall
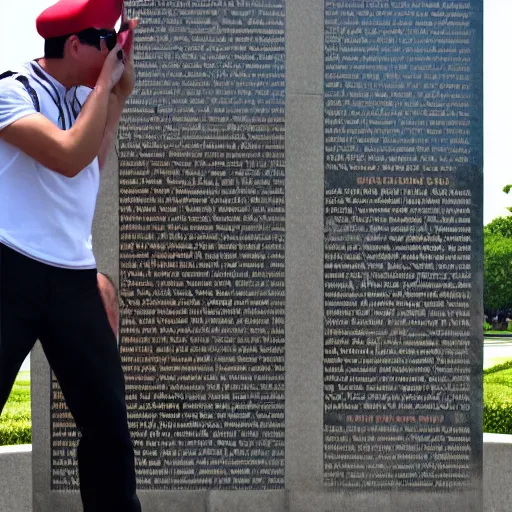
(402, 206)
(202, 227)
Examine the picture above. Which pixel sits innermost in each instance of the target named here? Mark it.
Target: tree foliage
(497, 272)
(498, 262)
(507, 189)
(500, 227)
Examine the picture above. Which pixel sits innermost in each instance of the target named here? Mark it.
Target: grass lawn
(15, 421)
(503, 333)
(498, 386)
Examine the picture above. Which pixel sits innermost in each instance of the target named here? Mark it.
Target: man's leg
(82, 351)
(20, 298)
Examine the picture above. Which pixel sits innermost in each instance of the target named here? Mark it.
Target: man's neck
(58, 69)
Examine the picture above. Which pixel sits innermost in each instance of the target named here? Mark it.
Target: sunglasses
(94, 36)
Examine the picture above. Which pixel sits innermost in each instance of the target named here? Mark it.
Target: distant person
(54, 139)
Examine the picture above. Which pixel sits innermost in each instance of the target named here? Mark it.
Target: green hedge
(497, 368)
(15, 422)
(498, 399)
(497, 417)
(15, 432)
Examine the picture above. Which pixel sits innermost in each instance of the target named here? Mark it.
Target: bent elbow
(69, 164)
(72, 171)
(66, 168)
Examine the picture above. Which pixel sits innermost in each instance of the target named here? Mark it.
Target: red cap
(72, 16)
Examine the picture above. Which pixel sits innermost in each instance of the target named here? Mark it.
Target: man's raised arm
(121, 91)
(69, 151)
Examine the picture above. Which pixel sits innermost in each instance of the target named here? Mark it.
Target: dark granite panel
(202, 245)
(403, 244)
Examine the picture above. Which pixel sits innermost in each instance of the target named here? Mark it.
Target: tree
(498, 262)
(507, 189)
(497, 272)
(500, 227)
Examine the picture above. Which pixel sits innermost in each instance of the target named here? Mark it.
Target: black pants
(63, 309)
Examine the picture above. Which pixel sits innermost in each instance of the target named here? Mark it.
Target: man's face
(94, 46)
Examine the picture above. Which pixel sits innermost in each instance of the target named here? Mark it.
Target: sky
(20, 42)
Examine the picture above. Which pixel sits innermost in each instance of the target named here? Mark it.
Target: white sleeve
(82, 93)
(15, 102)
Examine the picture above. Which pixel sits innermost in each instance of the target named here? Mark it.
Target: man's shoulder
(11, 82)
(13, 90)
(15, 100)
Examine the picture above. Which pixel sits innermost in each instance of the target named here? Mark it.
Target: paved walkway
(497, 351)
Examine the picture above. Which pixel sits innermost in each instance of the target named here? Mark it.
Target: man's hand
(125, 86)
(112, 71)
(118, 94)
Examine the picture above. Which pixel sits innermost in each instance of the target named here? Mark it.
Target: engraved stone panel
(202, 245)
(403, 174)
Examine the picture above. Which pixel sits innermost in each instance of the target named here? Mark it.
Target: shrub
(497, 417)
(15, 422)
(498, 368)
(497, 413)
(15, 432)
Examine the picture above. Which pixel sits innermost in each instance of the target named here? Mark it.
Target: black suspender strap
(75, 100)
(7, 74)
(30, 90)
(24, 80)
(69, 113)
(56, 99)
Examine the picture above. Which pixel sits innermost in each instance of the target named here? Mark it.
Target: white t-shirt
(43, 214)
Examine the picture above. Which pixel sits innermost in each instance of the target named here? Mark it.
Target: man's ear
(72, 46)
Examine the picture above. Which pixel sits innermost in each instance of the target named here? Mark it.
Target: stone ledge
(497, 472)
(16, 475)
(16, 478)
(498, 438)
(19, 448)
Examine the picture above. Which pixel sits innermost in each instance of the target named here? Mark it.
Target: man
(51, 151)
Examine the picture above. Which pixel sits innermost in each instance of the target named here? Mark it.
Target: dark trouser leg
(82, 351)
(21, 295)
